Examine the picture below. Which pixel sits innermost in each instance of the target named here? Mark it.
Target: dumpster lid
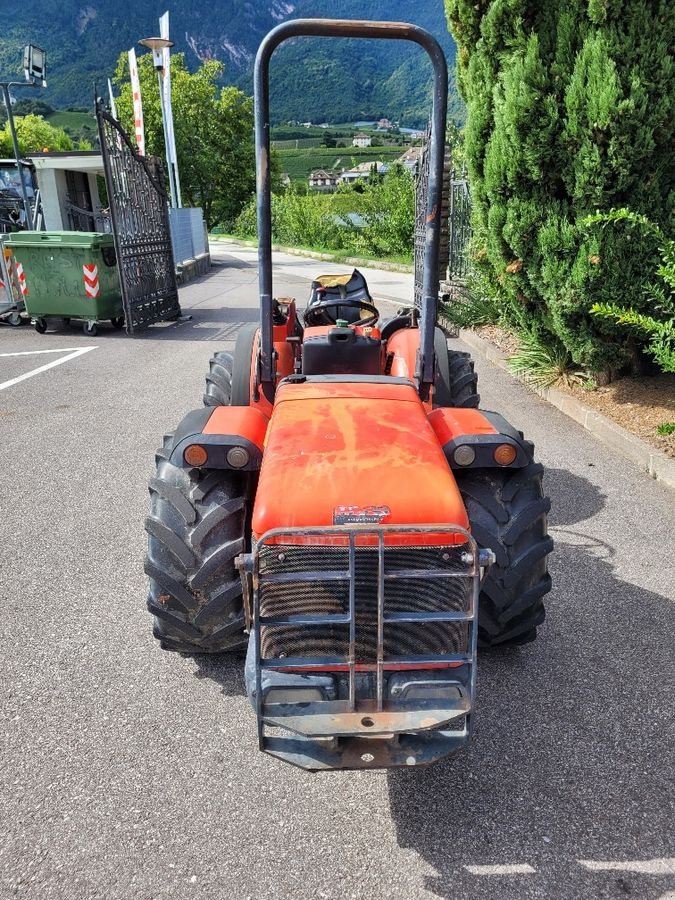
(89, 239)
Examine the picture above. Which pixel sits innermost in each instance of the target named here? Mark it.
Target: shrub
(569, 113)
(656, 329)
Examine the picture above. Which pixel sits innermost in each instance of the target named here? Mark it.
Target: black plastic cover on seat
(351, 289)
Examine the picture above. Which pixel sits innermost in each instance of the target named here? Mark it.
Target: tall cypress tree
(569, 113)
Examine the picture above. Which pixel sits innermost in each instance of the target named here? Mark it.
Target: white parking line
(37, 352)
(56, 362)
(507, 869)
(662, 866)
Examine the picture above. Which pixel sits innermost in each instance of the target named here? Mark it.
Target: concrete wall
(52, 183)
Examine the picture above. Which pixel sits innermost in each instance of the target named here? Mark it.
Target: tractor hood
(353, 451)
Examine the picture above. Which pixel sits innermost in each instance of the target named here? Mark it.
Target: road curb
(657, 465)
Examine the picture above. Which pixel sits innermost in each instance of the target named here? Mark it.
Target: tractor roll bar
(350, 28)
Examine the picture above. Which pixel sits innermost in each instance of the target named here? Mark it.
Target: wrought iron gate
(421, 191)
(455, 222)
(459, 227)
(140, 225)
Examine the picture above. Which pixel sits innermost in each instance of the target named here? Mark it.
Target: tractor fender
(483, 431)
(218, 430)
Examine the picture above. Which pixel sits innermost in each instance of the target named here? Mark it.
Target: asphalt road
(129, 772)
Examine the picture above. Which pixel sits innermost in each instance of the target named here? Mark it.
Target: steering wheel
(310, 314)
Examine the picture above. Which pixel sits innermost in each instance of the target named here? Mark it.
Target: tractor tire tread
(507, 512)
(219, 380)
(196, 528)
(456, 380)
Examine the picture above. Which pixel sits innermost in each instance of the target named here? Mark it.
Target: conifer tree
(569, 114)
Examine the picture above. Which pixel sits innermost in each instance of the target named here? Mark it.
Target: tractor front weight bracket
(406, 701)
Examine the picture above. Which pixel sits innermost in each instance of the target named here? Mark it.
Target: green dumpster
(68, 275)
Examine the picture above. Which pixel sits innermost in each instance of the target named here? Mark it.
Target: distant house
(361, 140)
(322, 180)
(362, 171)
(411, 158)
(384, 124)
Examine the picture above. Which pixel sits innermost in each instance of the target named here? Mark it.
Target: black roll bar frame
(350, 28)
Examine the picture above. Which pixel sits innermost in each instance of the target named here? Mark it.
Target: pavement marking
(36, 352)
(56, 362)
(508, 869)
(662, 866)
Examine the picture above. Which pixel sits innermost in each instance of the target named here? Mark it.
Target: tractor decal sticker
(360, 515)
(91, 285)
(22, 279)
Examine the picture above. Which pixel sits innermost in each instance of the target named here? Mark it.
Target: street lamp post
(35, 67)
(158, 45)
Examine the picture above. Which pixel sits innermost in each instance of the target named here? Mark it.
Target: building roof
(71, 160)
(367, 166)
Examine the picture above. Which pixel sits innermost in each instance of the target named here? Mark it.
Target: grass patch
(666, 428)
(72, 121)
(542, 364)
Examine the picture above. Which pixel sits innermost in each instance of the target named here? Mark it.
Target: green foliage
(661, 343)
(388, 209)
(214, 133)
(25, 107)
(323, 221)
(299, 163)
(478, 308)
(34, 135)
(543, 362)
(569, 113)
(666, 428)
(657, 326)
(78, 125)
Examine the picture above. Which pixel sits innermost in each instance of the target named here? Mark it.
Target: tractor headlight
(464, 455)
(237, 457)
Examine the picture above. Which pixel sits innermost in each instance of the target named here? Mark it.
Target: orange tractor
(342, 506)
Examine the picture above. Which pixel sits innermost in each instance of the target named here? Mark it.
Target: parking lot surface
(130, 772)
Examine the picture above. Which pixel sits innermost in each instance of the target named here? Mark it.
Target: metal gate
(421, 190)
(454, 261)
(459, 227)
(140, 225)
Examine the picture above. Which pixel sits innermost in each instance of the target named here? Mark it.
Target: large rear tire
(218, 391)
(228, 382)
(196, 528)
(507, 512)
(456, 381)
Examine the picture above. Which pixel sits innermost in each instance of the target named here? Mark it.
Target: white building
(322, 180)
(362, 172)
(361, 140)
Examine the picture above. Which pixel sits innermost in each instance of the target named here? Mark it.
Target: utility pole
(158, 45)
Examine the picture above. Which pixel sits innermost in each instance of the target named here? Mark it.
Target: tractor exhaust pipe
(350, 28)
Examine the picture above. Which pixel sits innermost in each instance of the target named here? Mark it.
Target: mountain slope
(317, 80)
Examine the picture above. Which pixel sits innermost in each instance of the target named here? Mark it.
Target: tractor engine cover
(353, 450)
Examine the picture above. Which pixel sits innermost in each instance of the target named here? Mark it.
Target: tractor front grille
(303, 582)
